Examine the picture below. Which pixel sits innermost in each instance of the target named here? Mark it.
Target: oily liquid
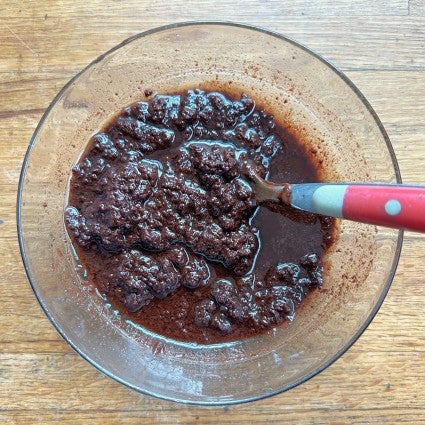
(285, 235)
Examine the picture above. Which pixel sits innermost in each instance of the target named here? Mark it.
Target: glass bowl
(302, 90)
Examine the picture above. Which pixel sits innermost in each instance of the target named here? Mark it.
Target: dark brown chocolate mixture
(168, 226)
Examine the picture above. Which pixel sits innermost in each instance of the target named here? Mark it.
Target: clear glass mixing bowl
(302, 90)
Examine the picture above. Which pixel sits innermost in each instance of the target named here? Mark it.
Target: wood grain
(374, 42)
(250, 8)
(380, 45)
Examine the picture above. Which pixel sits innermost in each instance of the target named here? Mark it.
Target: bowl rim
(207, 23)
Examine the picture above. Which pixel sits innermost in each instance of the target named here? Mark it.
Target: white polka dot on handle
(392, 207)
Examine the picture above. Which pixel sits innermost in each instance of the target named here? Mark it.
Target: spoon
(390, 205)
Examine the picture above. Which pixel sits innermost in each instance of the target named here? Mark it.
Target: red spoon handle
(391, 205)
(386, 205)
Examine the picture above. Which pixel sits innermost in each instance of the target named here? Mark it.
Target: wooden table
(380, 46)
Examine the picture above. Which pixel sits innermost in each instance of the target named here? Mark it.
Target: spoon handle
(399, 206)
